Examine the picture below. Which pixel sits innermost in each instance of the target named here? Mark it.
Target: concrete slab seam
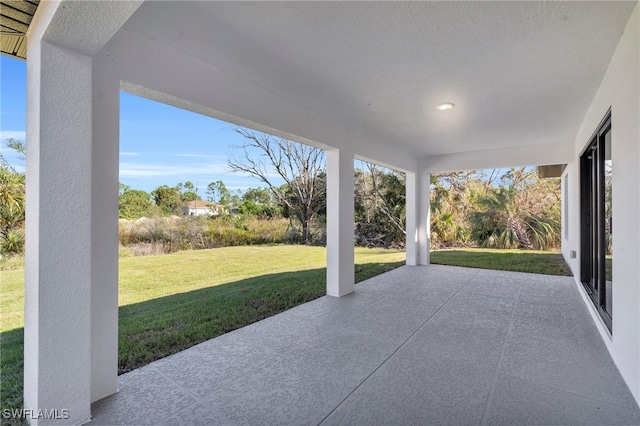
(394, 352)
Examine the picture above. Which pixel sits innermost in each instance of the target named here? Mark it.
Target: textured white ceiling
(519, 73)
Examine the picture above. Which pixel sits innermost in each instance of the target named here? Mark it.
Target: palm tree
(12, 203)
(506, 221)
(450, 199)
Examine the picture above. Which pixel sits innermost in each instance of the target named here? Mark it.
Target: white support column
(104, 234)
(424, 216)
(340, 223)
(57, 334)
(413, 214)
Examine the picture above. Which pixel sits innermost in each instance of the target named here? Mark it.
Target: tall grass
(170, 234)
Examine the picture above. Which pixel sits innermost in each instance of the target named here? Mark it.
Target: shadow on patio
(417, 345)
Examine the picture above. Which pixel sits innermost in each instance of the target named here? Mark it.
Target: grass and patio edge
(168, 303)
(532, 261)
(171, 302)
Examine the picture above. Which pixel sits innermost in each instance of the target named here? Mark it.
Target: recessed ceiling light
(445, 106)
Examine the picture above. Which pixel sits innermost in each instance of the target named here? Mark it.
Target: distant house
(202, 207)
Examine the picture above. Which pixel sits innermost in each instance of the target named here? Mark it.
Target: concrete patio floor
(417, 345)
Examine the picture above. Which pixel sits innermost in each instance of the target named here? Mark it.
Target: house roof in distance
(200, 204)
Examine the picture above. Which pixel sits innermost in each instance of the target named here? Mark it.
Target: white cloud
(20, 135)
(217, 157)
(136, 170)
(270, 174)
(129, 154)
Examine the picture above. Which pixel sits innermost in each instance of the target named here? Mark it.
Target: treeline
(155, 222)
(494, 208)
(169, 200)
(379, 193)
(490, 208)
(483, 208)
(161, 235)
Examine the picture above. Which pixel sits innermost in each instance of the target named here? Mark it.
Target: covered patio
(417, 345)
(420, 87)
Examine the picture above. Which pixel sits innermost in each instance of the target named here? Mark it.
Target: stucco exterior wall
(620, 91)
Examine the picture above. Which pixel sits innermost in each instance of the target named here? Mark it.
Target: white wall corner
(619, 91)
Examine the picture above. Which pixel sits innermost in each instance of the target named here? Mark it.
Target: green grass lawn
(537, 262)
(171, 302)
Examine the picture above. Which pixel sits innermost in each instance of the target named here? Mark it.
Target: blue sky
(159, 144)
(13, 103)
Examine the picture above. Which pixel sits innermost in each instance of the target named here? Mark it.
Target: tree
(235, 199)
(218, 193)
(19, 147)
(522, 213)
(258, 196)
(261, 210)
(301, 167)
(380, 199)
(188, 191)
(123, 188)
(12, 202)
(134, 203)
(258, 202)
(494, 208)
(390, 188)
(452, 200)
(501, 223)
(168, 199)
(12, 209)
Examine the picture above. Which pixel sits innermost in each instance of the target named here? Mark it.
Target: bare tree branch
(384, 206)
(300, 166)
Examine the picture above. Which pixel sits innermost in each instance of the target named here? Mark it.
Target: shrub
(13, 242)
(166, 235)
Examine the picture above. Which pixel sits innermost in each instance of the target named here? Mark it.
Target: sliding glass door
(596, 220)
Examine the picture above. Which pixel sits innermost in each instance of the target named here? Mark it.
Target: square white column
(340, 223)
(412, 215)
(417, 219)
(71, 259)
(424, 216)
(57, 334)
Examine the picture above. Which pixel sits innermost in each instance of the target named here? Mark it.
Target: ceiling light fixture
(445, 106)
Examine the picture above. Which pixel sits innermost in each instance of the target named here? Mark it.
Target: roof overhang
(551, 171)
(15, 17)
(521, 74)
(364, 76)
